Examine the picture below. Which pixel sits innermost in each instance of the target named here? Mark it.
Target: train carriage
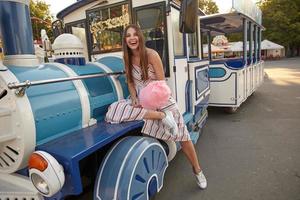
(233, 80)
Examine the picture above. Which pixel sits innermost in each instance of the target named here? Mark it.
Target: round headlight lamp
(46, 174)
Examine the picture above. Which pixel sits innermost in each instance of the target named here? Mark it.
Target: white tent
(236, 46)
(271, 50)
(268, 45)
(214, 49)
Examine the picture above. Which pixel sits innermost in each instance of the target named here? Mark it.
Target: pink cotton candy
(155, 95)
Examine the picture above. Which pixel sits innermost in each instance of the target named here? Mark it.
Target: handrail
(21, 87)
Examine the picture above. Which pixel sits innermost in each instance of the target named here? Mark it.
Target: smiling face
(132, 39)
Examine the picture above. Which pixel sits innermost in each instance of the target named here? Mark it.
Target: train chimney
(16, 31)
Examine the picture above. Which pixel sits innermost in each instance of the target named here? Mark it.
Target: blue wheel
(133, 170)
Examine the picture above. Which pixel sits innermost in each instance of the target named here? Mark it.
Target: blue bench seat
(230, 63)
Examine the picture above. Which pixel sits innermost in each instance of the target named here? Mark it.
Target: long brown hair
(127, 54)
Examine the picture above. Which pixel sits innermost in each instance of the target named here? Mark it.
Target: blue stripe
(71, 61)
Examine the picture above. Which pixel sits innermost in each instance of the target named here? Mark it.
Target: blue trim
(15, 27)
(200, 108)
(205, 79)
(187, 117)
(194, 136)
(188, 96)
(216, 72)
(71, 61)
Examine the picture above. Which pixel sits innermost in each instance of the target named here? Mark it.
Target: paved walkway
(253, 154)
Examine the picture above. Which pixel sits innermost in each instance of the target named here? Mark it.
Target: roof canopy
(232, 21)
(224, 23)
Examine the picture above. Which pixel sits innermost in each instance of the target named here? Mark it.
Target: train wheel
(133, 169)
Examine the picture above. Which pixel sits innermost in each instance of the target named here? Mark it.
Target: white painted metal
(223, 89)
(17, 127)
(21, 60)
(14, 186)
(181, 79)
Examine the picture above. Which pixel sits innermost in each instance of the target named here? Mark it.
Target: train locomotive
(53, 137)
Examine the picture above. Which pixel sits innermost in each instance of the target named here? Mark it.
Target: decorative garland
(100, 26)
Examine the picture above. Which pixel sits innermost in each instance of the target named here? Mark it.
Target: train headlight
(46, 174)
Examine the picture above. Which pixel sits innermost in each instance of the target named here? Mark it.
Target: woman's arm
(132, 91)
(155, 61)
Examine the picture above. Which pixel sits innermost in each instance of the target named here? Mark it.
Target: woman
(142, 66)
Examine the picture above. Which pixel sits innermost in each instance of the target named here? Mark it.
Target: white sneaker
(170, 122)
(201, 180)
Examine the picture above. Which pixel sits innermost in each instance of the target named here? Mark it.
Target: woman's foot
(170, 122)
(201, 180)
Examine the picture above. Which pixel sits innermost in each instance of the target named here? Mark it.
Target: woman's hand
(135, 102)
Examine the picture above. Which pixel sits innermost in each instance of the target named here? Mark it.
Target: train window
(193, 44)
(177, 36)
(106, 25)
(152, 21)
(73, 26)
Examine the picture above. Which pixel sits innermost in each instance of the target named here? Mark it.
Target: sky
(56, 6)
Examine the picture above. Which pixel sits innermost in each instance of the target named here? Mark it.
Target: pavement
(252, 154)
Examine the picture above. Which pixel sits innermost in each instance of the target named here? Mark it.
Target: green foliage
(40, 18)
(208, 6)
(281, 18)
(235, 37)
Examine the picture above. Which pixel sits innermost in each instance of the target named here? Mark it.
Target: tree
(40, 18)
(281, 18)
(208, 6)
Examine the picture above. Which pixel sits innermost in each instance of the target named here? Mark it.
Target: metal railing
(21, 87)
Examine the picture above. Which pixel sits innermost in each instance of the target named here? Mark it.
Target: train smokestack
(16, 31)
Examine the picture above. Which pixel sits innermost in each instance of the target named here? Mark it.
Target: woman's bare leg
(190, 152)
(151, 114)
(187, 146)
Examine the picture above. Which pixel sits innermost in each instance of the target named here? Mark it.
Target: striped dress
(122, 111)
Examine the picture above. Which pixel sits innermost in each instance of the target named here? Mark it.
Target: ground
(252, 154)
